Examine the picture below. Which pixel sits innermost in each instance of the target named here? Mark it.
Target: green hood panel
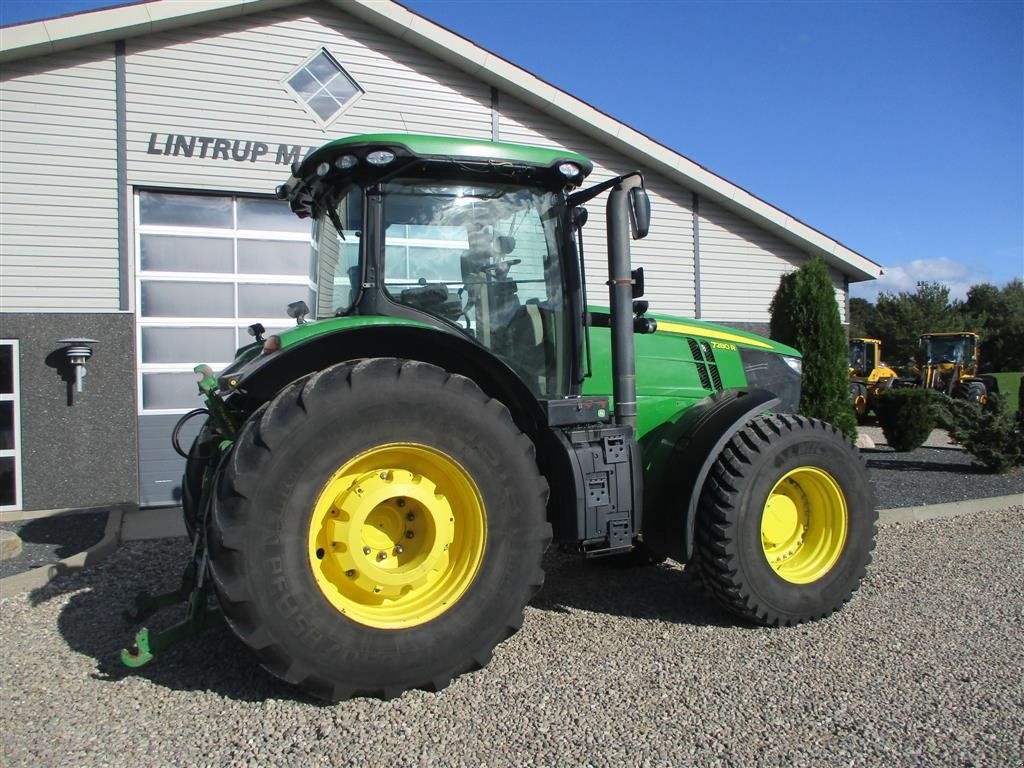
(671, 372)
(314, 328)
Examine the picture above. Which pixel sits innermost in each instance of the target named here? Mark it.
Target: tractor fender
(680, 461)
(261, 379)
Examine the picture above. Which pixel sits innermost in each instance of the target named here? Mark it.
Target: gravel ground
(612, 667)
(934, 476)
(49, 539)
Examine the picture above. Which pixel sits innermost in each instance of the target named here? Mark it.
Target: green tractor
(373, 490)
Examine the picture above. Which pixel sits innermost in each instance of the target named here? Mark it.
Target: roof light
(569, 170)
(347, 161)
(380, 157)
(323, 169)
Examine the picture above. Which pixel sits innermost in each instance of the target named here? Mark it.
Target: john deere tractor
(950, 364)
(869, 376)
(372, 491)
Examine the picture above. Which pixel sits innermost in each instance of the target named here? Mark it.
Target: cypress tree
(804, 315)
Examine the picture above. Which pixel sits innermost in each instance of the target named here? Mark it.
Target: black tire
(269, 494)
(973, 392)
(732, 547)
(201, 455)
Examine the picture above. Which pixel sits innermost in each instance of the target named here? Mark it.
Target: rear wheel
(378, 527)
(859, 399)
(973, 392)
(786, 524)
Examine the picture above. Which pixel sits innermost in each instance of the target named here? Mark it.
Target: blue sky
(895, 128)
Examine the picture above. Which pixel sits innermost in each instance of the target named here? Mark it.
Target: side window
(337, 257)
(485, 259)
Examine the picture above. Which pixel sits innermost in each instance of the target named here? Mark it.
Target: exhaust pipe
(624, 222)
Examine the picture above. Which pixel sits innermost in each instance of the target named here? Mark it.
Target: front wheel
(378, 526)
(786, 522)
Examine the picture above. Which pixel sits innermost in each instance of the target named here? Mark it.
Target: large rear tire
(202, 455)
(786, 522)
(378, 527)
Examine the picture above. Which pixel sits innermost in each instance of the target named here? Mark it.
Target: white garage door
(207, 266)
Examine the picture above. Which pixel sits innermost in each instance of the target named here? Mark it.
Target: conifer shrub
(907, 417)
(804, 315)
(992, 434)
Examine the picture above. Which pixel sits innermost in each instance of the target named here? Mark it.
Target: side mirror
(579, 217)
(639, 212)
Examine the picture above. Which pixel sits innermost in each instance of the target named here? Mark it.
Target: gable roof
(141, 18)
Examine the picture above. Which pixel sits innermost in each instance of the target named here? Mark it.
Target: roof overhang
(95, 27)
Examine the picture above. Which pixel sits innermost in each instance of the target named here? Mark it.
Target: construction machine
(372, 491)
(869, 376)
(950, 363)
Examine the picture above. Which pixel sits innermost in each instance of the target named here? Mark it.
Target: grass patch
(1008, 385)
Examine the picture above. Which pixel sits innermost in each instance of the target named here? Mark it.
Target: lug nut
(409, 534)
(382, 556)
(410, 516)
(401, 502)
(366, 550)
(399, 549)
(351, 573)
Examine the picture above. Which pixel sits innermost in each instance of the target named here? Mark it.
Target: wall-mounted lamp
(77, 352)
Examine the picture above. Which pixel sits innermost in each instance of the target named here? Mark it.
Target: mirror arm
(585, 195)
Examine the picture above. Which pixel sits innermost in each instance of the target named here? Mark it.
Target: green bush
(906, 416)
(804, 315)
(994, 435)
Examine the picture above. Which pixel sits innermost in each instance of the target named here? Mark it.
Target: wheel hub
(397, 535)
(804, 525)
(382, 512)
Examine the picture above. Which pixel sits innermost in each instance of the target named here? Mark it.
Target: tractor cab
(425, 230)
(864, 357)
(950, 349)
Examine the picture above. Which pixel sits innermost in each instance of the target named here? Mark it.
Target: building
(139, 147)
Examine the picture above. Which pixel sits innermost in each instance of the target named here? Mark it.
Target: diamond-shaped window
(324, 86)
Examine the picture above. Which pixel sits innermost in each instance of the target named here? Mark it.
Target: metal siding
(57, 130)
(224, 80)
(741, 265)
(666, 254)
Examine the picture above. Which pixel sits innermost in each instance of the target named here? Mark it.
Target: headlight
(796, 363)
(380, 157)
(569, 170)
(346, 161)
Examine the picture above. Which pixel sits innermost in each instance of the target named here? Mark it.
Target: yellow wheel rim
(804, 525)
(397, 535)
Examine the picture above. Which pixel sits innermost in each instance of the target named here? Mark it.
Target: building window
(323, 86)
(10, 428)
(207, 267)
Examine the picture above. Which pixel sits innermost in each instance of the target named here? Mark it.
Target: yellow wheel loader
(869, 376)
(950, 364)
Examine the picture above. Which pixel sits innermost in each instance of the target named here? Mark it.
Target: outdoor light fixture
(77, 352)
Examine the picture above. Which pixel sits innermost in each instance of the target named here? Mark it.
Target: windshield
(485, 258)
(857, 359)
(946, 350)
